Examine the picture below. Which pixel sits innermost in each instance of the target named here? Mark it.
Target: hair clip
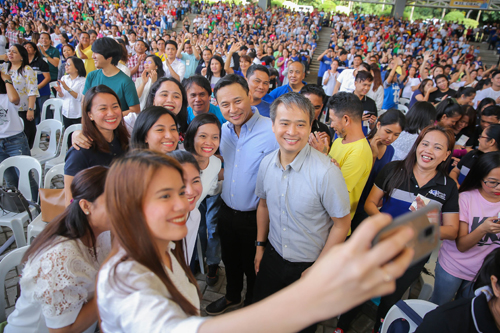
(71, 201)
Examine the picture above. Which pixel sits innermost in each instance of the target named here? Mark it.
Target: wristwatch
(70, 91)
(31, 109)
(8, 81)
(257, 243)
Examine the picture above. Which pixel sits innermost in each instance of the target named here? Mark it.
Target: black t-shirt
(200, 66)
(466, 163)
(318, 126)
(369, 105)
(461, 316)
(474, 138)
(78, 160)
(438, 95)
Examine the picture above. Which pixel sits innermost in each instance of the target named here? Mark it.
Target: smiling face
(296, 73)
(170, 50)
(100, 61)
(442, 84)
(234, 103)
(193, 184)
(449, 122)
(432, 150)
(258, 84)
(105, 112)
(169, 96)
(317, 102)
(149, 64)
(291, 128)
(215, 67)
(68, 52)
(198, 99)
(165, 206)
(70, 67)
(362, 87)
(163, 135)
(207, 140)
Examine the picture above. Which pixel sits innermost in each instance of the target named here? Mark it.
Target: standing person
(491, 92)
(351, 149)
(50, 55)
(198, 93)
(392, 82)
(106, 54)
(411, 83)
(296, 75)
(189, 57)
(206, 55)
(376, 92)
(136, 62)
(246, 138)
(43, 77)
(203, 140)
(84, 52)
(319, 130)
(258, 82)
(423, 172)
(459, 262)
(292, 180)
(362, 85)
(325, 62)
(3, 39)
(70, 89)
(25, 82)
(172, 66)
(330, 78)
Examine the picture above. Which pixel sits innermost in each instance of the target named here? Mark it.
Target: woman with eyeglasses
(478, 233)
(70, 89)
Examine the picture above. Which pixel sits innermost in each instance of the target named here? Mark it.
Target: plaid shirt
(132, 62)
(12, 36)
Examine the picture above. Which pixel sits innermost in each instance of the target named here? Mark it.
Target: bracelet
(8, 81)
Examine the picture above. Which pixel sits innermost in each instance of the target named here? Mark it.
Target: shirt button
(237, 150)
(286, 245)
(284, 229)
(236, 165)
(285, 177)
(233, 180)
(282, 195)
(283, 212)
(232, 195)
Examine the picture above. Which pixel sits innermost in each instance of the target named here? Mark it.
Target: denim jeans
(447, 285)
(209, 236)
(13, 146)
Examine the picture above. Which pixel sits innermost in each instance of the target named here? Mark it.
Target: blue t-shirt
(324, 65)
(263, 108)
(391, 95)
(213, 110)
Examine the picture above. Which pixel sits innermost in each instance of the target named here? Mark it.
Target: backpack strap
(415, 317)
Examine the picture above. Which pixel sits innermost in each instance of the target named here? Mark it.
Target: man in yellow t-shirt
(351, 150)
(84, 52)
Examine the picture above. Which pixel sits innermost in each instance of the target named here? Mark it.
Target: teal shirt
(213, 109)
(53, 53)
(191, 63)
(121, 84)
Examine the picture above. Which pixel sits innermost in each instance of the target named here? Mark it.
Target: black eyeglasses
(490, 183)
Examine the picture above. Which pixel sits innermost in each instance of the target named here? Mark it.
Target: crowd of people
(210, 134)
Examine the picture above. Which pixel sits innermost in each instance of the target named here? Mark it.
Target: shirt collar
(483, 319)
(298, 161)
(439, 179)
(251, 122)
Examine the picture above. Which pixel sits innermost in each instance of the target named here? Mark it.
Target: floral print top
(26, 85)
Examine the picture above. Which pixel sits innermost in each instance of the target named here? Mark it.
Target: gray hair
(298, 62)
(293, 99)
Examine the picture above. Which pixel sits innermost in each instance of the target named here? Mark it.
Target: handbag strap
(415, 317)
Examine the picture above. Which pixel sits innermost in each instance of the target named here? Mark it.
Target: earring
(87, 213)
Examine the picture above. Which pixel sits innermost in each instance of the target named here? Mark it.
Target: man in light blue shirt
(304, 207)
(246, 139)
(198, 91)
(190, 57)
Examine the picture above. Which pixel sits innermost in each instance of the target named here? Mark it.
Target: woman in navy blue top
(386, 131)
(399, 183)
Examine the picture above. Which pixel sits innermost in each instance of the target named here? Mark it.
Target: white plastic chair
(404, 101)
(64, 146)
(57, 103)
(37, 226)
(52, 126)
(16, 221)
(426, 280)
(11, 260)
(419, 306)
(402, 108)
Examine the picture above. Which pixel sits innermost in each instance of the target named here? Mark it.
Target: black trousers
(319, 82)
(238, 233)
(276, 273)
(29, 128)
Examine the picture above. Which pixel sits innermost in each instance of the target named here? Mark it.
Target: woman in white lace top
(58, 280)
(146, 286)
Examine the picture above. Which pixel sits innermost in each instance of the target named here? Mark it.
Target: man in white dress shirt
(173, 67)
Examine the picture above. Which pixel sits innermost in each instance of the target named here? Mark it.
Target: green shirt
(53, 53)
(121, 84)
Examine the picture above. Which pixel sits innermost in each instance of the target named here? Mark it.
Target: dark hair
(200, 81)
(184, 157)
(35, 47)
(495, 73)
(493, 132)
(493, 110)
(229, 80)
(362, 76)
(485, 102)
(252, 69)
(391, 116)
(65, 37)
(490, 267)
(485, 163)
(293, 99)
(466, 92)
(365, 66)
(314, 89)
(377, 77)
(171, 42)
(106, 47)
(79, 65)
(146, 45)
(123, 45)
(182, 116)
(481, 83)
(146, 119)
(90, 130)
(210, 74)
(67, 45)
(159, 71)
(422, 85)
(73, 224)
(196, 123)
(126, 185)
(344, 103)
(449, 108)
(421, 115)
(404, 169)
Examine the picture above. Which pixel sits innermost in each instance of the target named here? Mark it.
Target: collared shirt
(11, 36)
(346, 79)
(190, 62)
(279, 91)
(301, 200)
(132, 62)
(178, 67)
(242, 157)
(72, 107)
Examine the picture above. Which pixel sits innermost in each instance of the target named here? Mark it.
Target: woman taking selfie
(423, 173)
(146, 286)
(102, 123)
(61, 265)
